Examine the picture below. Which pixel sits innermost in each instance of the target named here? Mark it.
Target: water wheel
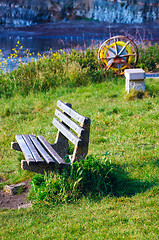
(118, 53)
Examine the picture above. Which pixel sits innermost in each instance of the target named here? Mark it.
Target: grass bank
(67, 69)
(128, 129)
(124, 127)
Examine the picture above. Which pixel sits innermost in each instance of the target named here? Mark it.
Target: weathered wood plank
(41, 167)
(74, 126)
(25, 149)
(32, 148)
(50, 149)
(81, 151)
(41, 150)
(76, 116)
(66, 132)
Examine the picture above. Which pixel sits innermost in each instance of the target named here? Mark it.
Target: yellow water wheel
(118, 53)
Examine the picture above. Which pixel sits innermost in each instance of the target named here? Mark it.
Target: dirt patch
(14, 201)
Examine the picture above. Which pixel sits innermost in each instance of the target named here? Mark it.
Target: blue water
(70, 34)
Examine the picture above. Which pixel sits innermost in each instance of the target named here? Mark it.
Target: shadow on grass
(124, 185)
(92, 178)
(156, 162)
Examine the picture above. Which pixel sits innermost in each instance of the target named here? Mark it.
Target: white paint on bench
(76, 116)
(32, 148)
(50, 149)
(74, 126)
(41, 150)
(25, 149)
(66, 132)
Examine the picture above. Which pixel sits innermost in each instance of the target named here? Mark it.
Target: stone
(135, 79)
(16, 188)
(134, 74)
(25, 205)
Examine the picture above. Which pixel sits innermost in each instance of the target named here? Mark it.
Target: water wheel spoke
(116, 48)
(111, 50)
(124, 47)
(110, 66)
(118, 69)
(126, 64)
(109, 58)
(128, 55)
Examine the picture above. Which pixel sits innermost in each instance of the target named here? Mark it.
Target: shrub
(89, 177)
(135, 94)
(68, 69)
(148, 57)
(71, 69)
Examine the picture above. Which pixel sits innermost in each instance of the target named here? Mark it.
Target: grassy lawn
(127, 129)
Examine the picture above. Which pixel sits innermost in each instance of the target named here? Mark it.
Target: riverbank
(70, 34)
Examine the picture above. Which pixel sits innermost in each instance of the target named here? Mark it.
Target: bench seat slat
(41, 150)
(32, 148)
(50, 149)
(69, 122)
(25, 149)
(76, 116)
(66, 132)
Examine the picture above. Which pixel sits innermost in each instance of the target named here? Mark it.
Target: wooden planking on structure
(66, 132)
(32, 148)
(69, 122)
(25, 149)
(76, 116)
(50, 149)
(41, 150)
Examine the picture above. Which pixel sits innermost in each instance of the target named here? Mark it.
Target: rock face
(24, 12)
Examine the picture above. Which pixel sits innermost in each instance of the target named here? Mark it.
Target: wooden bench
(40, 156)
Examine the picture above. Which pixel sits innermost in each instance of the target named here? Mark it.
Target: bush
(148, 57)
(135, 94)
(71, 69)
(89, 177)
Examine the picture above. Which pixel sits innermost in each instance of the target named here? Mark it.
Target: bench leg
(61, 145)
(15, 146)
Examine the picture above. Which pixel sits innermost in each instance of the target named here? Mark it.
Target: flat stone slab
(134, 74)
(16, 188)
(25, 205)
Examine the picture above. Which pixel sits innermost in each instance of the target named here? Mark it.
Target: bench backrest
(73, 127)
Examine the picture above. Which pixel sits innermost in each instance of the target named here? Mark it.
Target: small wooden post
(135, 79)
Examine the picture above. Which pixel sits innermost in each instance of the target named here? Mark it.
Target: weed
(72, 69)
(134, 94)
(148, 57)
(89, 177)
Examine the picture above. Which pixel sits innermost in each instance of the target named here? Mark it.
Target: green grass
(67, 69)
(128, 129)
(111, 218)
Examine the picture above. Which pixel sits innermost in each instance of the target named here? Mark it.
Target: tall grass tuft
(72, 69)
(90, 177)
(149, 57)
